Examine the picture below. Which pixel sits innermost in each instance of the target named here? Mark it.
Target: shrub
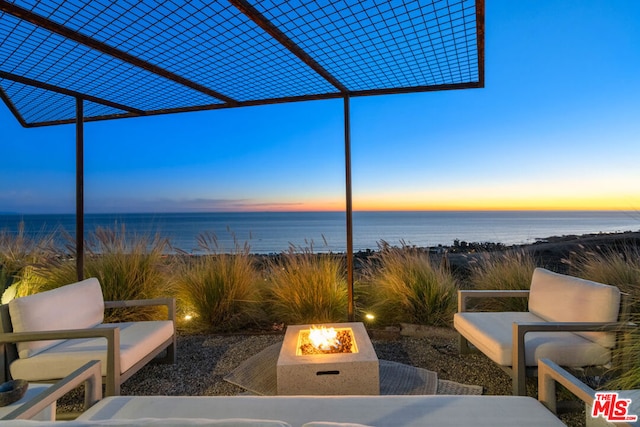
(128, 268)
(405, 285)
(617, 266)
(306, 288)
(27, 283)
(18, 251)
(511, 270)
(627, 357)
(220, 289)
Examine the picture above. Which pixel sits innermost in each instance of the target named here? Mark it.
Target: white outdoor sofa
(284, 411)
(570, 321)
(70, 319)
(312, 411)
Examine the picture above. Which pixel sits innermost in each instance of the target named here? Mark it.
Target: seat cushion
(379, 411)
(76, 306)
(559, 298)
(491, 333)
(160, 422)
(137, 339)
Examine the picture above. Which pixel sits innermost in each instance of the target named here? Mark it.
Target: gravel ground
(203, 361)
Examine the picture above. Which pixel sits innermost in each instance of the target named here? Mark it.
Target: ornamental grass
(406, 286)
(510, 270)
(617, 265)
(218, 290)
(19, 251)
(128, 267)
(303, 287)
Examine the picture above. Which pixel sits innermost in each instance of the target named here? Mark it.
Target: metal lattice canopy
(128, 58)
(71, 61)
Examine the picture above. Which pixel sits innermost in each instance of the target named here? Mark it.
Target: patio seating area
(207, 365)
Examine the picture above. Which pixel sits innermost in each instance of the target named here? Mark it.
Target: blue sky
(556, 127)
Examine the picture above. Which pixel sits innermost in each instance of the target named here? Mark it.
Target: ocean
(274, 232)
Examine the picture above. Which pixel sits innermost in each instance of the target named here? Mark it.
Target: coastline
(270, 233)
(551, 251)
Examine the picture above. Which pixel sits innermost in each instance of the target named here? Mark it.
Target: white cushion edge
(162, 422)
(332, 424)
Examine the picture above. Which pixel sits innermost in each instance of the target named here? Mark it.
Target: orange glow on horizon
(603, 203)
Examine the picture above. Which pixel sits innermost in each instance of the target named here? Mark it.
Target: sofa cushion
(137, 339)
(162, 422)
(331, 424)
(559, 298)
(379, 411)
(491, 333)
(76, 306)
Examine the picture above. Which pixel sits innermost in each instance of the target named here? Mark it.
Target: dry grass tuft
(19, 251)
(305, 288)
(510, 270)
(128, 267)
(221, 290)
(405, 285)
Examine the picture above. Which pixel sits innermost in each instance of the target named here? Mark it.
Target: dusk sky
(557, 126)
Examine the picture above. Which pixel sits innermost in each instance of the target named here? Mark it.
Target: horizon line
(326, 211)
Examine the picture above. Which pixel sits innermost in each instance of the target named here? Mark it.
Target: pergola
(75, 61)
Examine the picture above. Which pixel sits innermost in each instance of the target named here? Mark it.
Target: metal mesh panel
(210, 43)
(374, 44)
(171, 55)
(42, 106)
(41, 55)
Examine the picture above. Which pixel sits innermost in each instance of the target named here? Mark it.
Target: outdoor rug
(258, 376)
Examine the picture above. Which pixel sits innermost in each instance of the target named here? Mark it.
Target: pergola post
(349, 205)
(80, 188)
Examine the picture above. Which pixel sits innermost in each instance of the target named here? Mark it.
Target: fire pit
(343, 364)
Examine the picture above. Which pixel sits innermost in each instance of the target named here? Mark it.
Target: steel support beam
(53, 88)
(259, 19)
(349, 205)
(480, 5)
(80, 188)
(12, 107)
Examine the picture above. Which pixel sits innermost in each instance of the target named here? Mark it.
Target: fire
(324, 338)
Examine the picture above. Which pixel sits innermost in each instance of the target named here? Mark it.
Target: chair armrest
(170, 303)
(108, 332)
(572, 327)
(111, 333)
(89, 374)
(464, 295)
(521, 329)
(549, 373)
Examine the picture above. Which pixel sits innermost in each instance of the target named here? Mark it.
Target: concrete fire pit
(354, 373)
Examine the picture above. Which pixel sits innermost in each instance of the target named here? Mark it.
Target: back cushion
(76, 306)
(560, 298)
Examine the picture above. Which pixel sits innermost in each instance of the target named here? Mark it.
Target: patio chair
(569, 320)
(46, 336)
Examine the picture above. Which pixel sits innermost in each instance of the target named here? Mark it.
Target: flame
(324, 338)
